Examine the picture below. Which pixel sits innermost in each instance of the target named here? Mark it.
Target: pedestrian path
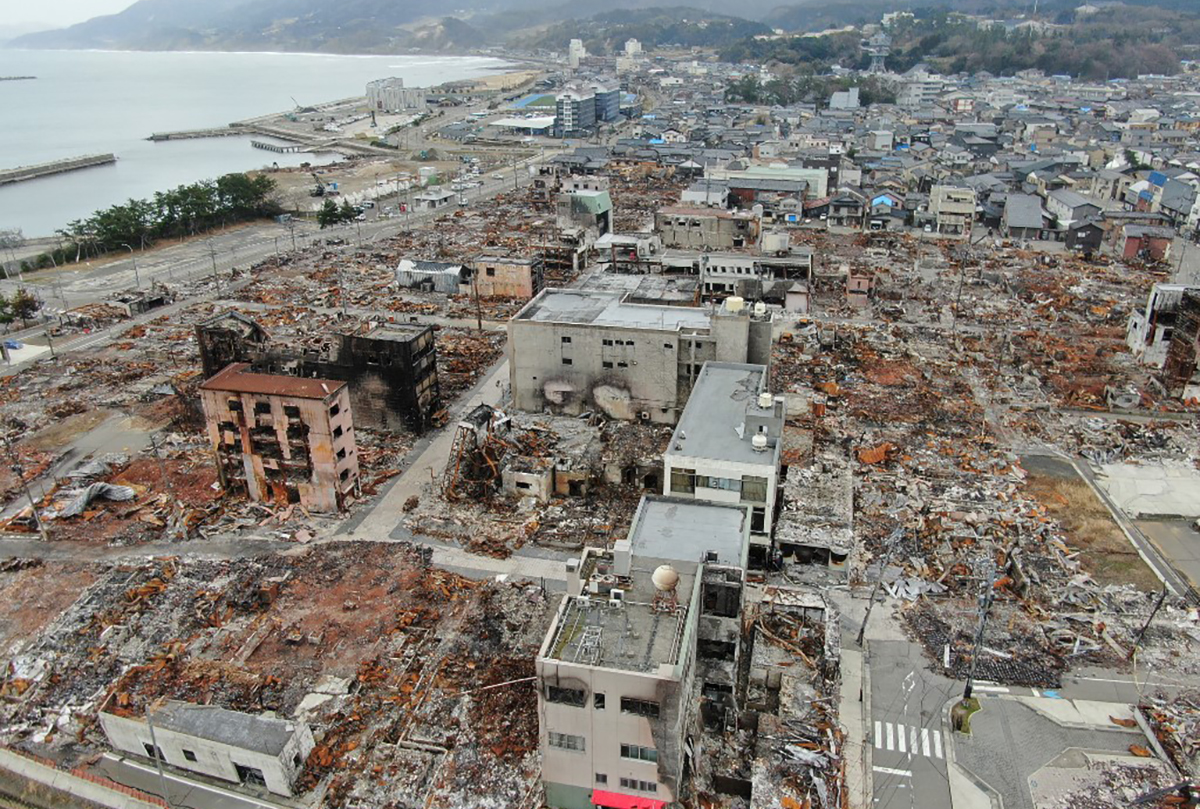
(916, 741)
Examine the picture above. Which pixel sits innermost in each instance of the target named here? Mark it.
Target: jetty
(191, 134)
(23, 173)
(18, 78)
(278, 147)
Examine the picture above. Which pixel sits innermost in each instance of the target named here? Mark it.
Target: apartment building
(282, 439)
(574, 351)
(728, 445)
(618, 664)
(390, 95)
(706, 228)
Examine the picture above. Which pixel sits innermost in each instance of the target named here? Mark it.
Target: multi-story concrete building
(390, 95)
(575, 108)
(576, 52)
(728, 445)
(572, 351)
(706, 228)
(282, 439)
(617, 667)
(506, 277)
(257, 751)
(953, 209)
(391, 369)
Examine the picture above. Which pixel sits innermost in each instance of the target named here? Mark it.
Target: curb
(868, 795)
(952, 765)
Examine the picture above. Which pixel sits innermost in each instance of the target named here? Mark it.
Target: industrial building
(281, 439)
(572, 351)
(390, 95)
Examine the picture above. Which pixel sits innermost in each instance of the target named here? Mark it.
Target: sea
(95, 102)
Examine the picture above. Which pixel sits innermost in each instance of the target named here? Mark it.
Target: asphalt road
(909, 751)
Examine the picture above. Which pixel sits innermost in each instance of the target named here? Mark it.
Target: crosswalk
(916, 741)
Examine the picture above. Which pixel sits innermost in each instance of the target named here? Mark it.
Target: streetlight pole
(137, 281)
(212, 253)
(19, 471)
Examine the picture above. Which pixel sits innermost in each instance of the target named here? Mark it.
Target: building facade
(953, 209)
(281, 439)
(572, 351)
(390, 95)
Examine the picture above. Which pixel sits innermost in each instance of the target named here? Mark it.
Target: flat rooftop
(235, 379)
(638, 636)
(596, 308)
(683, 530)
(713, 424)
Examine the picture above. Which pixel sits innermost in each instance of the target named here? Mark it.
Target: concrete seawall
(23, 173)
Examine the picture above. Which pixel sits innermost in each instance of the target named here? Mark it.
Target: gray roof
(610, 309)
(1023, 211)
(682, 530)
(242, 730)
(713, 422)
(1072, 199)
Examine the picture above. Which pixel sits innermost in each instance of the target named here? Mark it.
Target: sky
(57, 12)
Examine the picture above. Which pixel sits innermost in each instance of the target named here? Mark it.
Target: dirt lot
(1107, 555)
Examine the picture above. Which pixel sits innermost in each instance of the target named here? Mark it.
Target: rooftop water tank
(665, 578)
(765, 401)
(735, 303)
(759, 442)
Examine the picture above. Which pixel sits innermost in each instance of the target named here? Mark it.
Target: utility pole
(985, 610)
(478, 309)
(893, 543)
(1161, 598)
(162, 779)
(137, 281)
(50, 343)
(341, 289)
(19, 471)
(212, 253)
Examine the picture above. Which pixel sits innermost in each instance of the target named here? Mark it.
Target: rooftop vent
(758, 442)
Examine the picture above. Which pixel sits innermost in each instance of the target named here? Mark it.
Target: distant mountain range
(390, 26)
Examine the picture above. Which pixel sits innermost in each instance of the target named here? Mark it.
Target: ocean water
(88, 102)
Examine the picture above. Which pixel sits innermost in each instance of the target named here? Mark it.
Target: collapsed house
(281, 439)
(391, 369)
(256, 751)
(573, 351)
(816, 521)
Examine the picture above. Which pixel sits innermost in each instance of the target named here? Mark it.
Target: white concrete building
(953, 208)
(576, 53)
(390, 95)
(1150, 330)
(258, 751)
(728, 445)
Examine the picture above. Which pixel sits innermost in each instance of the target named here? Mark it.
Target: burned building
(391, 369)
(572, 351)
(281, 439)
(1181, 373)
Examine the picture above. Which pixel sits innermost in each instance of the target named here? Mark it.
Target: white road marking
(888, 725)
(937, 743)
(924, 741)
(912, 741)
(900, 734)
(997, 689)
(891, 771)
(878, 732)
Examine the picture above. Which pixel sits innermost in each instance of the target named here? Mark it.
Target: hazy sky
(57, 12)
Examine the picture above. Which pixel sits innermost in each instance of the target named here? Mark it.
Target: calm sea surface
(87, 102)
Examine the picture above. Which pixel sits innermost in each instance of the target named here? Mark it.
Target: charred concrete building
(1181, 369)
(391, 370)
(571, 351)
(280, 439)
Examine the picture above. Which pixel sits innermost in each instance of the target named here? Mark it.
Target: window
(598, 702)
(683, 481)
(345, 475)
(491, 272)
(235, 406)
(668, 346)
(601, 778)
(565, 741)
(640, 707)
(334, 409)
(337, 432)
(724, 484)
(296, 760)
(152, 751)
(291, 411)
(567, 361)
(758, 520)
(754, 489)
(639, 753)
(262, 408)
(522, 484)
(189, 755)
(605, 364)
(622, 365)
(565, 696)
(640, 786)
(341, 454)
(606, 342)
(566, 339)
